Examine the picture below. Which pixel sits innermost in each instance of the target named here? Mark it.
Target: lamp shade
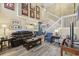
(56, 30)
(4, 26)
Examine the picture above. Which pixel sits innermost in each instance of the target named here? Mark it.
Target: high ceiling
(61, 9)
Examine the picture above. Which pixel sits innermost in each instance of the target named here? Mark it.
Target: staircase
(63, 23)
(49, 20)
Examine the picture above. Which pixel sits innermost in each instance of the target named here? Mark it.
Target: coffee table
(30, 43)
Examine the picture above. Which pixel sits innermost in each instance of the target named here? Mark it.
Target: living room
(30, 29)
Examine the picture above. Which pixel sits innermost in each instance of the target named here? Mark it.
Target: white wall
(66, 31)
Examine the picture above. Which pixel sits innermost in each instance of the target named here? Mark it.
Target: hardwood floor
(45, 49)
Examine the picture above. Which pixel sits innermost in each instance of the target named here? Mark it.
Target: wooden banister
(73, 51)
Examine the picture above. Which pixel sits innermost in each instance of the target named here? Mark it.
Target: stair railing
(64, 21)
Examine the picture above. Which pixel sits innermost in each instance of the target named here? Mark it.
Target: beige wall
(6, 16)
(62, 9)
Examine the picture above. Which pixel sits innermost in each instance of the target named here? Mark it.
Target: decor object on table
(10, 6)
(24, 9)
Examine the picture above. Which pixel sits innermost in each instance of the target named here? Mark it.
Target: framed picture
(37, 12)
(10, 6)
(32, 11)
(37, 9)
(37, 15)
(32, 14)
(24, 8)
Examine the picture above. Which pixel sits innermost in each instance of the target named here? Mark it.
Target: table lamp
(4, 28)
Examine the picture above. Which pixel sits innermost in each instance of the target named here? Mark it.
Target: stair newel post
(72, 33)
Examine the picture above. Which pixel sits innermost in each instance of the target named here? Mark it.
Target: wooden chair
(68, 50)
